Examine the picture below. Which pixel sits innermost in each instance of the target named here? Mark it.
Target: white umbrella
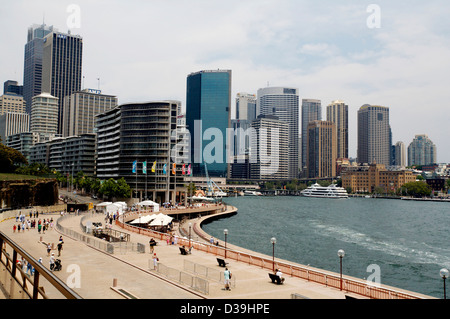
(161, 220)
(144, 219)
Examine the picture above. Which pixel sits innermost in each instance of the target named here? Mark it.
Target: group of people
(42, 225)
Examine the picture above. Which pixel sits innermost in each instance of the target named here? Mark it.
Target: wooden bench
(222, 262)
(276, 279)
(184, 251)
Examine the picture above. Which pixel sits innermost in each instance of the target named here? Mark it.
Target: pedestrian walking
(155, 261)
(49, 249)
(52, 262)
(227, 277)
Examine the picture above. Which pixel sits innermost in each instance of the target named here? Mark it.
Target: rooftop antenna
(83, 83)
(98, 79)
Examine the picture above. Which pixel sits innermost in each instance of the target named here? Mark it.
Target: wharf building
(283, 102)
(367, 178)
(321, 149)
(33, 59)
(67, 155)
(374, 135)
(421, 151)
(208, 109)
(61, 67)
(137, 133)
(80, 109)
(268, 156)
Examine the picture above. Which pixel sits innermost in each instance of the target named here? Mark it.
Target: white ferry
(252, 193)
(332, 191)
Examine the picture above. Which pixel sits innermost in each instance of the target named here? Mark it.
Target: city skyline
(402, 64)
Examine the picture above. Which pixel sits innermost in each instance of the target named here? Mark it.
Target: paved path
(133, 274)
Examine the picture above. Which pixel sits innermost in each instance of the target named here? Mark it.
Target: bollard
(114, 282)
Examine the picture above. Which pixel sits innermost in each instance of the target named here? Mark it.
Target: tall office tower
(11, 102)
(337, 112)
(13, 123)
(12, 87)
(44, 116)
(80, 109)
(140, 132)
(245, 114)
(374, 139)
(421, 151)
(399, 154)
(61, 68)
(208, 115)
(283, 103)
(269, 149)
(32, 71)
(311, 111)
(321, 149)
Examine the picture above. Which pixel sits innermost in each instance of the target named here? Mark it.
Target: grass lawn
(12, 177)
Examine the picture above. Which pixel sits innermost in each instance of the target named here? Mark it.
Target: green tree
(10, 159)
(417, 189)
(115, 189)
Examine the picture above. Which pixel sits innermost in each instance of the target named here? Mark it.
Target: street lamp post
(444, 275)
(225, 232)
(190, 226)
(273, 240)
(341, 255)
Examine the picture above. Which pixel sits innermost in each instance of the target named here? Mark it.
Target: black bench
(222, 262)
(275, 279)
(184, 251)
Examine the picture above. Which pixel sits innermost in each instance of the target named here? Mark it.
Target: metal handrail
(39, 271)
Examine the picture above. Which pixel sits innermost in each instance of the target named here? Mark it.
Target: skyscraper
(399, 154)
(44, 116)
(337, 112)
(80, 109)
(62, 66)
(421, 151)
(208, 115)
(311, 111)
(374, 135)
(321, 149)
(32, 71)
(283, 102)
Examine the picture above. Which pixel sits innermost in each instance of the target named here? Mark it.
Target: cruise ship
(332, 191)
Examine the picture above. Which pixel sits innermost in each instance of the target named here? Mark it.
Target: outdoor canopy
(150, 203)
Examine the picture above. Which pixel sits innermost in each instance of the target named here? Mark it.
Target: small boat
(252, 193)
(332, 191)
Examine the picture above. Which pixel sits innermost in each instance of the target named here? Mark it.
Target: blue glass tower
(208, 103)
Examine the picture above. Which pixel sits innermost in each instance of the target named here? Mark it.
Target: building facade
(399, 154)
(321, 149)
(421, 151)
(283, 102)
(32, 71)
(368, 178)
(133, 134)
(311, 111)
(10, 102)
(337, 112)
(374, 135)
(208, 116)
(44, 116)
(62, 67)
(23, 142)
(13, 123)
(268, 157)
(80, 109)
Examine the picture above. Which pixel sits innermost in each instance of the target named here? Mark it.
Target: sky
(391, 53)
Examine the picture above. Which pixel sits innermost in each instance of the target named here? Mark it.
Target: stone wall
(23, 193)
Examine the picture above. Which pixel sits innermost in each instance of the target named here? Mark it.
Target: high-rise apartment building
(321, 148)
(11, 103)
(44, 116)
(269, 149)
(32, 71)
(421, 151)
(80, 109)
(62, 66)
(138, 133)
(283, 102)
(374, 135)
(399, 154)
(337, 112)
(311, 111)
(208, 115)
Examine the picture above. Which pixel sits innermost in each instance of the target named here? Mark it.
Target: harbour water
(400, 243)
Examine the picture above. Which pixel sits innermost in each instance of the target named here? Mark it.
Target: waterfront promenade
(132, 273)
